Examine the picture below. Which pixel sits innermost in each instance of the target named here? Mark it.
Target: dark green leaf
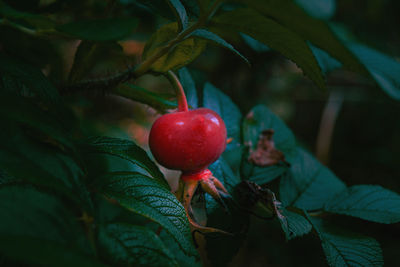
(322, 9)
(35, 20)
(112, 29)
(325, 61)
(179, 55)
(23, 79)
(255, 44)
(343, 248)
(189, 87)
(40, 252)
(151, 199)
(290, 15)
(222, 248)
(127, 150)
(368, 202)
(224, 173)
(217, 101)
(293, 224)
(132, 245)
(276, 37)
(384, 69)
(25, 112)
(139, 94)
(179, 255)
(36, 228)
(214, 38)
(260, 118)
(180, 13)
(43, 166)
(88, 55)
(308, 185)
(192, 8)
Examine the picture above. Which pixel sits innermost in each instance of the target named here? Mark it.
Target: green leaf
(368, 202)
(255, 44)
(35, 20)
(26, 112)
(290, 15)
(384, 69)
(322, 9)
(89, 54)
(111, 29)
(180, 55)
(344, 248)
(260, 118)
(133, 245)
(214, 38)
(44, 166)
(127, 150)
(38, 252)
(308, 185)
(276, 37)
(217, 101)
(326, 62)
(224, 174)
(36, 228)
(139, 94)
(149, 198)
(189, 87)
(293, 224)
(180, 12)
(23, 79)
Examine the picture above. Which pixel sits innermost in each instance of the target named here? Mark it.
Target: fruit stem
(180, 93)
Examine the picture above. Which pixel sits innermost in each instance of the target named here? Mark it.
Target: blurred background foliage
(364, 145)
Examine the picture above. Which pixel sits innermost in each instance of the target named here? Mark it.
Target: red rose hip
(188, 140)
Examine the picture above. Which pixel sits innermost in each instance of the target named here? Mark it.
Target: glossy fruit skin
(188, 140)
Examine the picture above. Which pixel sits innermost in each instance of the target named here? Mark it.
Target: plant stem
(180, 93)
(144, 67)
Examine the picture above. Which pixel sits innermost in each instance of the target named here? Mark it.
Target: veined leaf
(260, 118)
(343, 248)
(151, 199)
(229, 112)
(127, 150)
(383, 69)
(111, 29)
(180, 13)
(290, 15)
(368, 202)
(189, 87)
(139, 94)
(133, 245)
(274, 36)
(293, 224)
(179, 55)
(214, 38)
(308, 185)
(36, 228)
(42, 166)
(29, 81)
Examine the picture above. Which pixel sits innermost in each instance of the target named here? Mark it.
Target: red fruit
(188, 140)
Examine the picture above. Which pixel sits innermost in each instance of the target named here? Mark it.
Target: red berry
(188, 140)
